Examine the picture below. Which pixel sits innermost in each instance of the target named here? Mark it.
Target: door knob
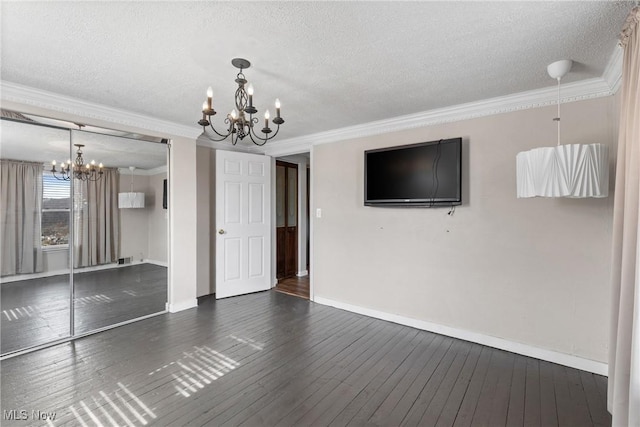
(221, 231)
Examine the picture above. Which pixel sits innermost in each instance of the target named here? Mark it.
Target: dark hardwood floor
(297, 286)
(270, 359)
(36, 311)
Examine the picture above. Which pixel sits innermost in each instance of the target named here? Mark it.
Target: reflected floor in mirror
(36, 311)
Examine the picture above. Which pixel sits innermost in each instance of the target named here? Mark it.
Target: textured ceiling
(332, 64)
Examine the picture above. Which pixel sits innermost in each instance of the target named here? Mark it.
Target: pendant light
(571, 170)
(131, 200)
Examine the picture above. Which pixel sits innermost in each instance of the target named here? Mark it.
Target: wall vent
(126, 260)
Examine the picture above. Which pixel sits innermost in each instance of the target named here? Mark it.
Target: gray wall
(531, 271)
(143, 231)
(205, 195)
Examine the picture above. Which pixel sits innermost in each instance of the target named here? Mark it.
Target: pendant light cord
(558, 118)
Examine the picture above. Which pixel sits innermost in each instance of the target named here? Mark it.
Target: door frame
(309, 217)
(289, 165)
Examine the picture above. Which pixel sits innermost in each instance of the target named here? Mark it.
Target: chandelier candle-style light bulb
(205, 111)
(266, 119)
(238, 125)
(209, 97)
(250, 92)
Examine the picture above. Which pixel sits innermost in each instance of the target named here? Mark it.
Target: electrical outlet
(318, 213)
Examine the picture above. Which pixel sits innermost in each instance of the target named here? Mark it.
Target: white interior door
(243, 223)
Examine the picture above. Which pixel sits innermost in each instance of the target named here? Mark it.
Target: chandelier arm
(264, 140)
(63, 177)
(222, 136)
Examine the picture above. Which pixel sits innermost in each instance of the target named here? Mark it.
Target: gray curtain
(96, 224)
(624, 339)
(20, 217)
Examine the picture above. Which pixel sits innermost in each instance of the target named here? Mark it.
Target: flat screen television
(425, 174)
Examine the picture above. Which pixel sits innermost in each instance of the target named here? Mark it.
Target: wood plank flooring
(36, 311)
(270, 359)
(297, 286)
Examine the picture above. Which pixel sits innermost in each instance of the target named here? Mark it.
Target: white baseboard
(302, 273)
(502, 344)
(19, 277)
(182, 305)
(158, 263)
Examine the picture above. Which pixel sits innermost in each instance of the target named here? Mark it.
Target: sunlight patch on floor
(16, 313)
(123, 407)
(196, 369)
(92, 299)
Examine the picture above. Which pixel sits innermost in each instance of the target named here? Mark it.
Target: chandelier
(77, 169)
(238, 126)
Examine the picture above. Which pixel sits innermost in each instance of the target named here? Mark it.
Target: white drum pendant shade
(130, 200)
(572, 170)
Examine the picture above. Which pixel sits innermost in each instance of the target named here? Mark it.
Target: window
(56, 203)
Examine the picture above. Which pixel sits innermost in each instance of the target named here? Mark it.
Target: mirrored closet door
(84, 230)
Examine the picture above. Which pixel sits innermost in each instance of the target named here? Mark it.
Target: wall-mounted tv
(425, 174)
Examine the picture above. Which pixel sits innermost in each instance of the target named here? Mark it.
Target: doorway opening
(292, 225)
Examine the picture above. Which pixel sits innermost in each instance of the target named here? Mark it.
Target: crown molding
(203, 141)
(613, 71)
(25, 95)
(157, 170)
(143, 172)
(571, 92)
(606, 85)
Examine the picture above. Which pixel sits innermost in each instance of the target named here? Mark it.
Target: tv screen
(424, 174)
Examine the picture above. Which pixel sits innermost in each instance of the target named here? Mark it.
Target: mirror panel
(120, 228)
(35, 208)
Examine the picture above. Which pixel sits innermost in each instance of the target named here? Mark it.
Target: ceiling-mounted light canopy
(131, 200)
(238, 125)
(572, 170)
